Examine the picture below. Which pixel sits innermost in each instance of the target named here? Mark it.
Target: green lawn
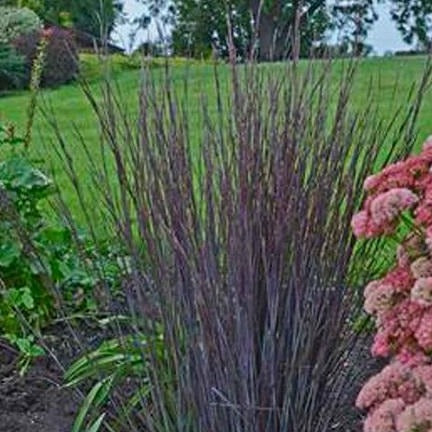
(392, 80)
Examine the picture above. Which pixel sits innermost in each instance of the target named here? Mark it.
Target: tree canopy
(414, 20)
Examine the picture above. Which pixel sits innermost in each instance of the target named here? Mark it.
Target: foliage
(61, 62)
(12, 68)
(94, 17)
(399, 398)
(42, 266)
(200, 29)
(354, 20)
(413, 20)
(112, 365)
(94, 67)
(15, 22)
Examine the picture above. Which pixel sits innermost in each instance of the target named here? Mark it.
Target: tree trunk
(272, 38)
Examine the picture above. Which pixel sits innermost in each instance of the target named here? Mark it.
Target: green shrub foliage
(42, 267)
(12, 68)
(15, 22)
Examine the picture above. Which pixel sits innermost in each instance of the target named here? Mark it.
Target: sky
(383, 37)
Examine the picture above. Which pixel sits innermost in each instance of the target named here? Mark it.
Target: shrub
(93, 67)
(16, 22)
(61, 57)
(12, 68)
(399, 399)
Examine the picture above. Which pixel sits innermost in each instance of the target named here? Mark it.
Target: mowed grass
(391, 80)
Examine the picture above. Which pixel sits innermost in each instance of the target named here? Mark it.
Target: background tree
(353, 19)
(200, 26)
(279, 20)
(414, 20)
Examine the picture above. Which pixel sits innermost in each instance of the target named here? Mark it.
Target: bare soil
(34, 402)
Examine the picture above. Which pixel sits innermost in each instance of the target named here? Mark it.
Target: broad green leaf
(27, 298)
(9, 252)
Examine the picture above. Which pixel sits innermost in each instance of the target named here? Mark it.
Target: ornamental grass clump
(234, 207)
(399, 204)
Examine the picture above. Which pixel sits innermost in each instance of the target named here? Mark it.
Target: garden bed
(34, 402)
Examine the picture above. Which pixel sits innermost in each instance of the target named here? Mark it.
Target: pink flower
(397, 327)
(383, 419)
(421, 268)
(417, 417)
(386, 207)
(363, 226)
(381, 346)
(423, 214)
(395, 381)
(412, 356)
(422, 291)
(423, 333)
(399, 398)
(380, 299)
(424, 375)
(412, 247)
(427, 146)
(400, 278)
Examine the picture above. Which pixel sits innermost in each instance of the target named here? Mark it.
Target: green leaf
(85, 408)
(27, 298)
(19, 173)
(9, 252)
(97, 424)
(96, 397)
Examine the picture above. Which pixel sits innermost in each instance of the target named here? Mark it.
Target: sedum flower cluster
(399, 398)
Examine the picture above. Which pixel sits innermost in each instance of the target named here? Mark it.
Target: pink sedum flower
(422, 291)
(380, 299)
(363, 226)
(383, 419)
(412, 356)
(417, 417)
(399, 398)
(386, 207)
(423, 333)
(397, 327)
(421, 268)
(381, 346)
(423, 374)
(427, 146)
(400, 278)
(395, 381)
(412, 247)
(398, 281)
(423, 214)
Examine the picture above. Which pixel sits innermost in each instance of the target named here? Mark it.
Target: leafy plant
(41, 268)
(15, 22)
(112, 365)
(12, 68)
